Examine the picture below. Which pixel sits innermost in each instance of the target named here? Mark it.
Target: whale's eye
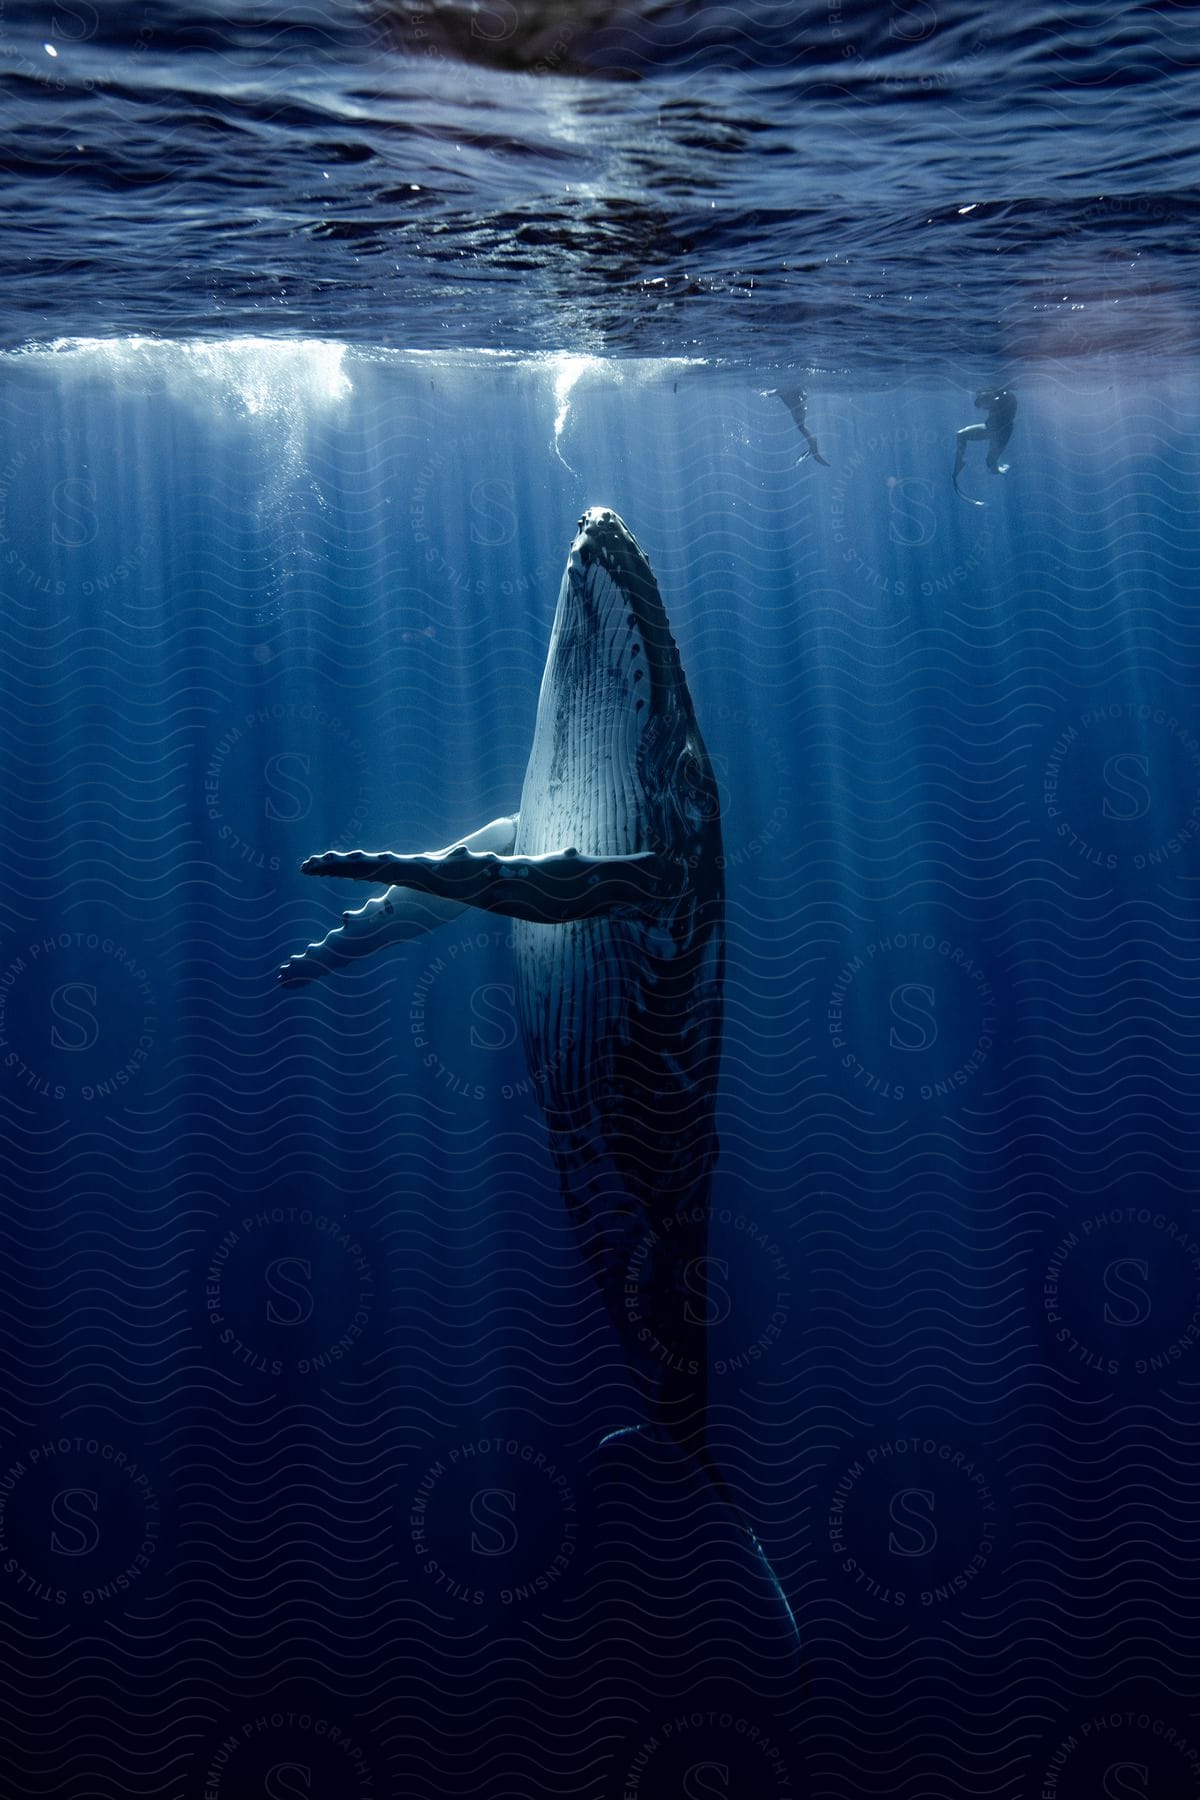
(695, 792)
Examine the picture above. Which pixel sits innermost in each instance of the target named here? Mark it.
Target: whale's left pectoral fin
(393, 918)
(549, 889)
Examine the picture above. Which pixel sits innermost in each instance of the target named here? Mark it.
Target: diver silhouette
(796, 401)
(996, 430)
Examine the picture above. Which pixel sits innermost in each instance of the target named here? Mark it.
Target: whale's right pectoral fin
(395, 917)
(549, 888)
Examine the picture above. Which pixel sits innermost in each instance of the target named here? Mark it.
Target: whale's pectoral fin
(393, 918)
(550, 889)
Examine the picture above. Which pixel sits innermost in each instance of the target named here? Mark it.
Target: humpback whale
(612, 871)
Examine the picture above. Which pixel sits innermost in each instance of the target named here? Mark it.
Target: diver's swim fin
(965, 497)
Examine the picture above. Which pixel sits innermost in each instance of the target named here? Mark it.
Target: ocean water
(322, 327)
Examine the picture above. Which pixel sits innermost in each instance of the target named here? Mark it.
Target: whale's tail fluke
(693, 1446)
(697, 1449)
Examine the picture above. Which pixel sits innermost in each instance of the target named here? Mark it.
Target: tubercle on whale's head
(623, 620)
(628, 601)
(603, 534)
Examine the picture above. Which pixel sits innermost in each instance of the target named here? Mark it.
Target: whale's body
(613, 874)
(621, 1013)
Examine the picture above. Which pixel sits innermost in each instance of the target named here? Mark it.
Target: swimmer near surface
(613, 873)
(796, 401)
(997, 428)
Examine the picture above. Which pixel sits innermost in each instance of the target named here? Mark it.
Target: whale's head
(616, 724)
(611, 626)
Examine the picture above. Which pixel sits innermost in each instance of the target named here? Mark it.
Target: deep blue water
(303, 1375)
